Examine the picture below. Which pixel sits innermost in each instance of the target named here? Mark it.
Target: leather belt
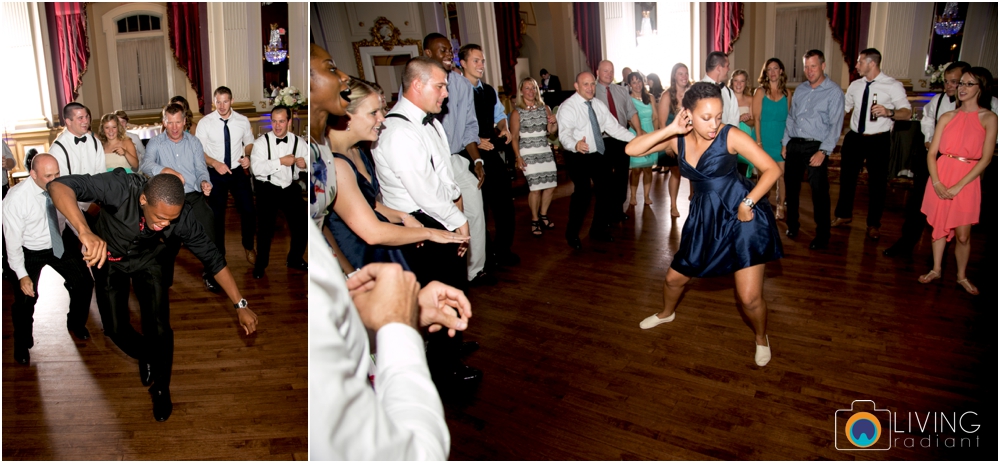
(960, 158)
(871, 134)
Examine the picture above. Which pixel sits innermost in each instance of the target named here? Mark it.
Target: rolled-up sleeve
(150, 164)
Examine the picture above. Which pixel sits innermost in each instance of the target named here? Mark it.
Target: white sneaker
(653, 320)
(763, 354)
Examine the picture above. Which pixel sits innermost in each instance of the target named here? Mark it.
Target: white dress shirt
(730, 105)
(265, 158)
(402, 419)
(890, 93)
(210, 132)
(574, 123)
(86, 157)
(140, 149)
(411, 161)
(26, 223)
(932, 113)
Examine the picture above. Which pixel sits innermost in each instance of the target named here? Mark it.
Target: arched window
(139, 58)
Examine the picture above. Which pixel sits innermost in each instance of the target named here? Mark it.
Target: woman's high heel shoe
(780, 214)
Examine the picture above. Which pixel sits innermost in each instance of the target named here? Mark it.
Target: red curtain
(67, 23)
(849, 25)
(183, 20)
(725, 19)
(587, 25)
(509, 35)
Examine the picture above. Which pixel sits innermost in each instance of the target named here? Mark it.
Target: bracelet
(479, 161)
(936, 183)
(349, 275)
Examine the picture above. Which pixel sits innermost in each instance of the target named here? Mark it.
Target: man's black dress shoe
(605, 237)
(258, 274)
(893, 251)
(483, 279)
(162, 406)
(81, 332)
(145, 372)
(507, 259)
(21, 355)
(819, 243)
(466, 374)
(210, 283)
(574, 243)
(791, 233)
(468, 347)
(624, 217)
(300, 265)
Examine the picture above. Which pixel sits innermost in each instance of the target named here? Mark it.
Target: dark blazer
(553, 86)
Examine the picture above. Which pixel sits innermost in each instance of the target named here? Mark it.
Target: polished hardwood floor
(236, 397)
(570, 375)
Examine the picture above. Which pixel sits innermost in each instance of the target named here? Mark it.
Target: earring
(348, 126)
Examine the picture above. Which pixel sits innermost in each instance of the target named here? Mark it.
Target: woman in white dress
(530, 123)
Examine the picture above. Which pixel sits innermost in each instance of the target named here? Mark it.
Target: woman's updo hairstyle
(698, 92)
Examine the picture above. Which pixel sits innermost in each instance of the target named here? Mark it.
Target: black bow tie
(278, 141)
(951, 98)
(78, 140)
(428, 119)
(721, 85)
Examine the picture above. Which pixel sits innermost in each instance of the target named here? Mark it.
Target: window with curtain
(142, 68)
(796, 31)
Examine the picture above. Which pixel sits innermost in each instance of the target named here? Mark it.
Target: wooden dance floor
(569, 375)
(235, 397)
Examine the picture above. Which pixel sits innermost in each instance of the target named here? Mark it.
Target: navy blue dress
(714, 242)
(355, 249)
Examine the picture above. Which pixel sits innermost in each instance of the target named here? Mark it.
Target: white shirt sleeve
(849, 96)
(402, 419)
(13, 233)
(929, 119)
(262, 167)
(571, 128)
(897, 97)
(609, 124)
(407, 155)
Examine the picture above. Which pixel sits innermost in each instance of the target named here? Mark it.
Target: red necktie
(611, 104)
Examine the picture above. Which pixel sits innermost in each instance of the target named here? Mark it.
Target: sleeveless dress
(773, 115)
(533, 144)
(355, 249)
(962, 137)
(714, 242)
(114, 161)
(646, 121)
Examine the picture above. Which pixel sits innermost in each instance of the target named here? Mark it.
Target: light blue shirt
(459, 114)
(186, 157)
(817, 114)
(498, 110)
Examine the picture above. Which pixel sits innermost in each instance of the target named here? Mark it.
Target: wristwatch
(749, 202)
(240, 305)
(825, 152)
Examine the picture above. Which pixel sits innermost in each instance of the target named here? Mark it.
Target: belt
(802, 140)
(960, 158)
(871, 134)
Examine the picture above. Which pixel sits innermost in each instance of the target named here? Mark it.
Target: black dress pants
(156, 343)
(864, 150)
(78, 283)
(584, 168)
(237, 183)
(498, 199)
(438, 262)
(915, 221)
(798, 152)
(271, 199)
(195, 200)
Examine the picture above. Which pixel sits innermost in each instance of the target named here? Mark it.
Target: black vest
(486, 100)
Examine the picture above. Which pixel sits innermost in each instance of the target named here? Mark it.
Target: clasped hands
(945, 192)
(384, 293)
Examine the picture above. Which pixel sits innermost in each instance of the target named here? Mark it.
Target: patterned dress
(534, 146)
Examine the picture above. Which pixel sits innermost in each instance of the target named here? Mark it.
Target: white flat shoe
(763, 354)
(653, 320)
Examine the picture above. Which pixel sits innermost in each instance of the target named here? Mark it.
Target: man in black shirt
(124, 250)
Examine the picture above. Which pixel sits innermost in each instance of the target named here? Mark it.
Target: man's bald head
(585, 85)
(44, 168)
(582, 74)
(606, 72)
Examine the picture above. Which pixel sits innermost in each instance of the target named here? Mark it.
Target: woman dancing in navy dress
(730, 228)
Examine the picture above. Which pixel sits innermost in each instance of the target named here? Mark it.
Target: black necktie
(278, 141)
(78, 140)
(428, 119)
(863, 115)
(228, 156)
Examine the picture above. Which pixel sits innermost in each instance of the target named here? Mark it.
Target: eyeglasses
(968, 84)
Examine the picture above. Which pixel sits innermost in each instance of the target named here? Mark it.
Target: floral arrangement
(290, 96)
(936, 75)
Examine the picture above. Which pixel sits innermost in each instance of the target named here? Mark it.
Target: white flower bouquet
(290, 96)
(936, 75)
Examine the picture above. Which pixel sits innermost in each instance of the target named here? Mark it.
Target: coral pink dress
(963, 137)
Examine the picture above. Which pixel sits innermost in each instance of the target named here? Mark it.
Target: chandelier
(948, 24)
(274, 51)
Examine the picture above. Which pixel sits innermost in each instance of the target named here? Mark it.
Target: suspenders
(408, 120)
(66, 153)
(295, 148)
(937, 111)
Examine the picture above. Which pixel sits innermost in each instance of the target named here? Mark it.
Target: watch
(825, 152)
(892, 114)
(240, 305)
(749, 202)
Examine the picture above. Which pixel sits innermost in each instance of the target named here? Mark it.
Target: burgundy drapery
(183, 20)
(67, 23)
(509, 35)
(725, 19)
(587, 25)
(849, 25)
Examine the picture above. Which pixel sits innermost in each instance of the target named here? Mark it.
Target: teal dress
(772, 126)
(646, 121)
(749, 131)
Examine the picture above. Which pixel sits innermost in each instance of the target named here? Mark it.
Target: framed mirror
(381, 60)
